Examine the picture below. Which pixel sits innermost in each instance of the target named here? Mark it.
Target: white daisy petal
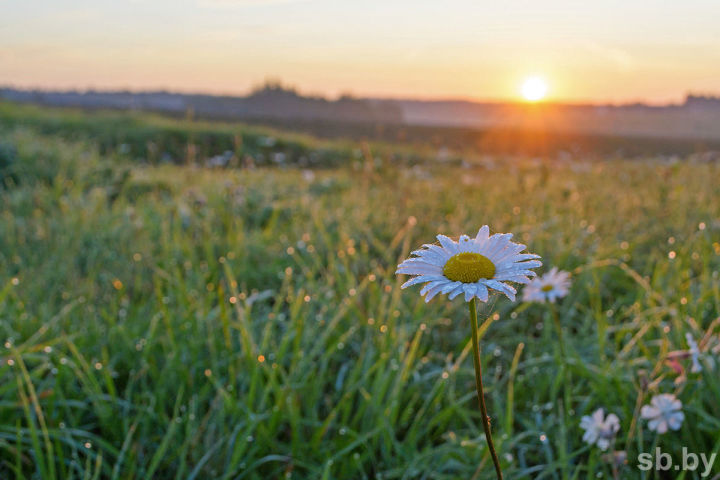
(448, 244)
(455, 292)
(469, 290)
(419, 270)
(432, 258)
(431, 285)
(483, 234)
(432, 292)
(481, 292)
(421, 279)
(418, 262)
(449, 287)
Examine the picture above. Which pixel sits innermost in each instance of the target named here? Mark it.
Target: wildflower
(664, 411)
(694, 353)
(547, 288)
(600, 430)
(470, 266)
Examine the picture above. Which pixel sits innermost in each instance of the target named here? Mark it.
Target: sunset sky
(609, 51)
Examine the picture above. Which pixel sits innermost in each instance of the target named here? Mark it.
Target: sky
(598, 52)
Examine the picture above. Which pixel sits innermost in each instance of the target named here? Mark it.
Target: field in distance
(188, 299)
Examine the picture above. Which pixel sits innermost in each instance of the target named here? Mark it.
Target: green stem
(558, 327)
(479, 385)
(565, 380)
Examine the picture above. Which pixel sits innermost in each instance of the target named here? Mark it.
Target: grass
(173, 321)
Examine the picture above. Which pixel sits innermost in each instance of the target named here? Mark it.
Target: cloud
(619, 57)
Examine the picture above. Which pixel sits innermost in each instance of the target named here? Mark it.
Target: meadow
(168, 316)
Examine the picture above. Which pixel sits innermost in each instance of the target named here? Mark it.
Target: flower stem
(558, 327)
(479, 385)
(565, 381)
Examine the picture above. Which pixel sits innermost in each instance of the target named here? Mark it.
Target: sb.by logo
(664, 461)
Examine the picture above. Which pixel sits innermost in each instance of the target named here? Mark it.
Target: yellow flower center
(468, 267)
(546, 288)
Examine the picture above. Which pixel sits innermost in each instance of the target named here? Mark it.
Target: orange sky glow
(611, 52)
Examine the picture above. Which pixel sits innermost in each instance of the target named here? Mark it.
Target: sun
(534, 89)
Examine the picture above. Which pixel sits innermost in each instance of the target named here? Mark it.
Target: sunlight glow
(534, 89)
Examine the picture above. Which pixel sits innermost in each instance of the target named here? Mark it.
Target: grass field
(163, 319)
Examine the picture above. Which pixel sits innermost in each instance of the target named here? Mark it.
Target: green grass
(171, 321)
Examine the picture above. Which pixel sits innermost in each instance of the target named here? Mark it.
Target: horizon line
(429, 99)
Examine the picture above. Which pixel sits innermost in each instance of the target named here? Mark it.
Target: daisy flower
(549, 287)
(470, 266)
(664, 411)
(600, 430)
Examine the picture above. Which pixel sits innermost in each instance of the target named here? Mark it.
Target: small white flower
(470, 266)
(547, 288)
(600, 430)
(664, 411)
(694, 353)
